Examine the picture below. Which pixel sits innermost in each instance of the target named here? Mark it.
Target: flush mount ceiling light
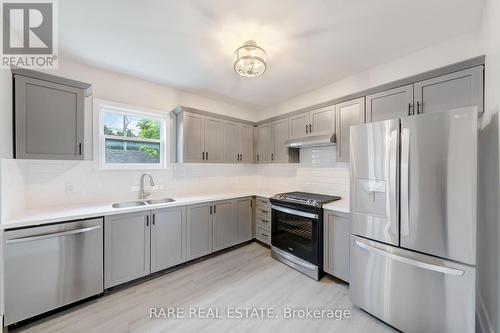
(250, 60)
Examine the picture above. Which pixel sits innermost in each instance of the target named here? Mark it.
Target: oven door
(296, 231)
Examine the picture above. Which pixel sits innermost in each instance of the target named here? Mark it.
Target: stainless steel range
(297, 230)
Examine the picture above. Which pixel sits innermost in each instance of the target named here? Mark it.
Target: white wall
(458, 49)
(488, 177)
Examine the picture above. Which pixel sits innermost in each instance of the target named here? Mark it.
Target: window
(129, 137)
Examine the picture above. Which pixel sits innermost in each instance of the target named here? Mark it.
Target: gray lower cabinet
(390, 104)
(199, 230)
(337, 228)
(126, 248)
(223, 224)
(347, 114)
(244, 220)
(455, 90)
(49, 117)
(168, 237)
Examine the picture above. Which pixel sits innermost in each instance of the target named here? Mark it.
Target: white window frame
(100, 107)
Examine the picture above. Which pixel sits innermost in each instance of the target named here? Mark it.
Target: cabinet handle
(257, 157)
(215, 209)
(251, 205)
(272, 156)
(154, 218)
(206, 154)
(147, 220)
(310, 128)
(80, 148)
(203, 156)
(264, 235)
(418, 107)
(409, 109)
(210, 210)
(307, 129)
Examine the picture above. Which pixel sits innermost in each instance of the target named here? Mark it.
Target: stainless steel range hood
(312, 141)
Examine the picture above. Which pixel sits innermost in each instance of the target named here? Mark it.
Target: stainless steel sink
(159, 201)
(128, 204)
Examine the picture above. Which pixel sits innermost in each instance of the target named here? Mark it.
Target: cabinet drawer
(263, 203)
(263, 235)
(264, 223)
(263, 213)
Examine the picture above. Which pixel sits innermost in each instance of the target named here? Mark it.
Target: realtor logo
(28, 34)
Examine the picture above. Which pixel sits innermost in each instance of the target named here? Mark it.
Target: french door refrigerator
(413, 215)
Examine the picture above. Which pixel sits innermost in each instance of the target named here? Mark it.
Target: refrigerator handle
(410, 261)
(393, 181)
(405, 185)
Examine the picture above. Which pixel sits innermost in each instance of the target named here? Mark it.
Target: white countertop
(67, 213)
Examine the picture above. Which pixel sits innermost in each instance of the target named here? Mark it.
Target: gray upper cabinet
(238, 143)
(279, 134)
(315, 122)
(199, 230)
(263, 138)
(126, 248)
(214, 140)
(299, 125)
(322, 121)
(337, 228)
(347, 113)
(246, 138)
(49, 114)
(193, 148)
(223, 224)
(455, 90)
(168, 237)
(390, 104)
(244, 220)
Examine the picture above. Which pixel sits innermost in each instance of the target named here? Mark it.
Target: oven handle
(295, 212)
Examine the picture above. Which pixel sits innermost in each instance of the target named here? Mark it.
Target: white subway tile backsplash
(31, 184)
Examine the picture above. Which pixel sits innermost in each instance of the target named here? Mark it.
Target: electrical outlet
(70, 188)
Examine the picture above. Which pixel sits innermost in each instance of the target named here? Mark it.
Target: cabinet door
(246, 135)
(244, 224)
(348, 113)
(214, 140)
(49, 120)
(223, 223)
(299, 125)
(232, 142)
(279, 132)
(194, 137)
(168, 237)
(126, 248)
(264, 143)
(322, 121)
(336, 245)
(199, 230)
(389, 104)
(452, 91)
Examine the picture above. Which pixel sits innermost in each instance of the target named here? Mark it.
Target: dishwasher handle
(51, 235)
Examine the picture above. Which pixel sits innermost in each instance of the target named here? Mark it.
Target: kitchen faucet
(142, 193)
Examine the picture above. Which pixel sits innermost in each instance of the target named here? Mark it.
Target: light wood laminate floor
(244, 277)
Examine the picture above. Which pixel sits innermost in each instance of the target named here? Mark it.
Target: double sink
(128, 204)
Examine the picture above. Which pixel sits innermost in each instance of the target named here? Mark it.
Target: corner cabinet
(337, 228)
(271, 143)
(238, 143)
(347, 114)
(49, 116)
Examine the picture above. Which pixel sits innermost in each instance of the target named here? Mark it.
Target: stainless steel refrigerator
(413, 215)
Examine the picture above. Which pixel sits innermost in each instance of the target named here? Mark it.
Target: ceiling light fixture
(250, 60)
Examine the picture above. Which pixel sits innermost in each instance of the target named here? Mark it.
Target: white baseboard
(483, 316)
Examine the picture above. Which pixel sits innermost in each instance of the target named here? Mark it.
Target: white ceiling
(189, 44)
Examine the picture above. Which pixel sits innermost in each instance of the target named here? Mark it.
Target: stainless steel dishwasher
(51, 266)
